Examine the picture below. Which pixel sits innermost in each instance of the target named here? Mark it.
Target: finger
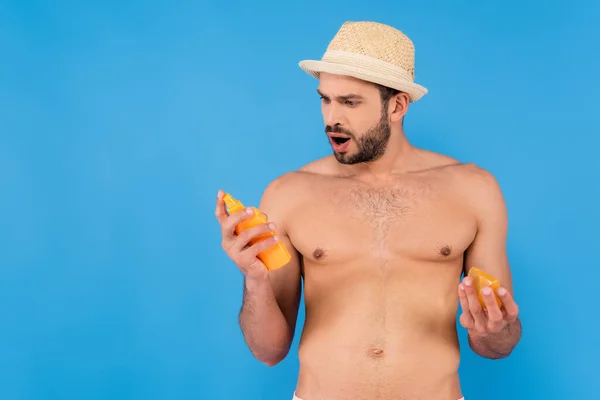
(249, 255)
(511, 308)
(474, 305)
(242, 240)
(494, 313)
(466, 318)
(220, 209)
(234, 220)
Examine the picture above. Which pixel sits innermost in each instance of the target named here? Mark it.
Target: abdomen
(372, 337)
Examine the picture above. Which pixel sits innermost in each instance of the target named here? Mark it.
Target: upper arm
(286, 281)
(488, 250)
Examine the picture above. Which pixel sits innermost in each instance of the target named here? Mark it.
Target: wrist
(256, 279)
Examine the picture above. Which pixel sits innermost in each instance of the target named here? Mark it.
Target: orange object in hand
(482, 279)
(274, 257)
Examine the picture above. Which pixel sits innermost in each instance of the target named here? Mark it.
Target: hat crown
(376, 40)
(373, 52)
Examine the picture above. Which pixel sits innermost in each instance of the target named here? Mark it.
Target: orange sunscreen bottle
(482, 279)
(275, 256)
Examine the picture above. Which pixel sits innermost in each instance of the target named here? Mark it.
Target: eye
(324, 99)
(350, 103)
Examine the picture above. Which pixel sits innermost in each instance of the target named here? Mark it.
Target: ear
(398, 106)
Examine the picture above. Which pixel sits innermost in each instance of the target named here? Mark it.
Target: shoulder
(455, 171)
(289, 189)
(481, 190)
(471, 178)
(477, 180)
(292, 182)
(325, 166)
(473, 186)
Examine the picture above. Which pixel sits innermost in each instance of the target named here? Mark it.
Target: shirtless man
(381, 232)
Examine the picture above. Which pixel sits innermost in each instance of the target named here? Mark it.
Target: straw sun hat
(372, 52)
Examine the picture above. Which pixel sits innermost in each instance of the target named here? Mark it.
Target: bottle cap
(232, 204)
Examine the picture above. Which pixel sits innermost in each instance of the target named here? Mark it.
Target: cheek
(364, 120)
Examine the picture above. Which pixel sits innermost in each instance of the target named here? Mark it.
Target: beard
(371, 145)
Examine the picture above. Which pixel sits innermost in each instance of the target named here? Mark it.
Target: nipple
(318, 254)
(445, 251)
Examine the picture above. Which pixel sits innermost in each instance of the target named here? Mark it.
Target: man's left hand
(493, 319)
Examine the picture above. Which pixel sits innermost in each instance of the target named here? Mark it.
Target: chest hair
(384, 208)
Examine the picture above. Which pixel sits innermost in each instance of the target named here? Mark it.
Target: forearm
(265, 329)
(496, 345)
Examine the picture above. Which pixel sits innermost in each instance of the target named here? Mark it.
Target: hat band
(367, 62)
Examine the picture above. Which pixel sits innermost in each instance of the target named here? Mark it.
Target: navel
(318, 254)
(376, 352)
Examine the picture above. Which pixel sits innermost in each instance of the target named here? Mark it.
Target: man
(381, 232)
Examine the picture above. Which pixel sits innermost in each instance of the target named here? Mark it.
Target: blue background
(120, 121)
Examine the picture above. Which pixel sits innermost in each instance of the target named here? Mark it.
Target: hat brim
(315, 67)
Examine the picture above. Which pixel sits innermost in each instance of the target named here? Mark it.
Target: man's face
(357, 127)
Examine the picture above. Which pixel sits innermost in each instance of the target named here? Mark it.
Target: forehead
(339, 85)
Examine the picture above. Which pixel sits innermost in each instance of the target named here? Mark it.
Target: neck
(398, 158)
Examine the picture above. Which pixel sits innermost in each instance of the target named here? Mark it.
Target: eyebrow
(349, 96)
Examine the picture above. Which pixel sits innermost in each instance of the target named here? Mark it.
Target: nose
(332, 114)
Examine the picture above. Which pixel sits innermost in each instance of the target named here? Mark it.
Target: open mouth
(339, 140)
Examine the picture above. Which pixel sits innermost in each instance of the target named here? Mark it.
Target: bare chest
(416, 220)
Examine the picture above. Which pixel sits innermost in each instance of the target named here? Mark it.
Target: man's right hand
(238, 247)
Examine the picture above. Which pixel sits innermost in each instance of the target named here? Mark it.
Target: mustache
(338, 129)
